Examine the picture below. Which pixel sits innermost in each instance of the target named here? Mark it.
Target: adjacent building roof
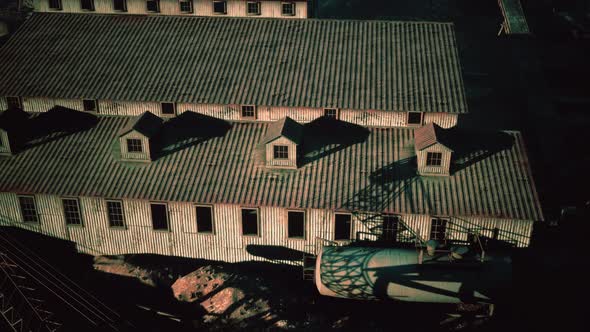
(428, 135)
(380, 65)
(146, 124)
(515, 21)
(376, 174)
(285, 127)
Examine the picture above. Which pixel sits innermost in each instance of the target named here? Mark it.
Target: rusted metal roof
(375, 174)
(285, 127)
(428, 135)
(514, 19)
(377, 65)
(146, 124)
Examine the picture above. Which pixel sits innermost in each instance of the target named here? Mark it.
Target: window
(438, 229)
(433, 159)
(248, 111)
(331, 113)
(87, 5)
(120, 5)
(288, 8)
(153, 6)
(14, 103)
(168, 108)
(134, 145)
(115, 214)
(250, 222)
(219, 7)
(55, 4)
(281, 152)
(390, 227)
(204, 219)
(186, 6)
(71, 211)
(159, 216)
(90, 105)
(342, 227)
(28, 209)
(296, 224)
(414, 118)
(253, 8)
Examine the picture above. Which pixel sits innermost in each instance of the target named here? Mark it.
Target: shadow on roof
(186, 130)
(471, 146)
(325, 136)
(56, 123)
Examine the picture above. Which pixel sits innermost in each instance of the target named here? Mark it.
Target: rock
(194, 285)
(220, 302)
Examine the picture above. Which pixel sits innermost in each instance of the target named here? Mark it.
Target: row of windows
(250, 223)
(185, 6)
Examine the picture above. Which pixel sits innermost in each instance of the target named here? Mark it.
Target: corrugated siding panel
(444, 120)
(364, 65)
(3, 103)
(37, 105)
(128, 107)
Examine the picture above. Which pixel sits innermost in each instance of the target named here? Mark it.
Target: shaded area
(274, 252)
(325, 136)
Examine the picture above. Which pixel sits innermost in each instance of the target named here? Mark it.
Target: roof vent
(12, 124)
(283, 143)
(135, 139)
(432, 150)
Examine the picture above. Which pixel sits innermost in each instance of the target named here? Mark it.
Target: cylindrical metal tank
(395, 273)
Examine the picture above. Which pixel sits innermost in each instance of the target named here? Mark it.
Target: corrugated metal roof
(429, 134)
(381, 65)
(286, 127)
(146, 124)
(376, 174)
(514, 16)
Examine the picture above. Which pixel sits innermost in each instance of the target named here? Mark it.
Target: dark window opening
(120, 5)
(115, 214)
(438, 229)
(186, 6)
(288, 9)
(248, 111)
(168, 108)
(433, 159)
(249, 222)
(253, 8)
(90, 105)
(14, 103)
(28, 209)
(134, 145)
(87, 5)
(219, 7)
(390, 228)
(281, 152)
(159, 216)
(204, 219)
(415, 118)
(153, 6)
(72, 211)
(342, 227)
(55, 4)
(1, 142)
(331, 113)
(296, 224)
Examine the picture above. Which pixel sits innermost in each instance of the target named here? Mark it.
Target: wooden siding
(4, 143)
(443, 169)
(291, 162)
(227, 244)
(3, 103)
(369, 118)
(139, 156)
(235, 8)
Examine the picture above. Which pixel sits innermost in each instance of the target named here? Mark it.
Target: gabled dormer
(12, 127)
(282, 143)
(433, 150)
(136, 138)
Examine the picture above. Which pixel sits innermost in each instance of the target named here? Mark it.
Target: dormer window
(186, 6)
(55, 4)
(153, 6)
(220, 7)
(168, 109)
(87, 5)
(135, 139)
(120, 5)
(281, 151)
(253, 8)
(433, 159)
(134, 145)
(288, 9)
(90, 105)
(248, 112)
(433, 152)
(283, 139)
(414, 118)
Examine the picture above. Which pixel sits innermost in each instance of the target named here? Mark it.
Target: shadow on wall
(470, 147)
(56, 123)
(324, 136)
(274, 252)
(186, 130)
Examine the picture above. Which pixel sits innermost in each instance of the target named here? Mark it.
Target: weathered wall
(171, 7)
(4, 143)
(443, 169)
